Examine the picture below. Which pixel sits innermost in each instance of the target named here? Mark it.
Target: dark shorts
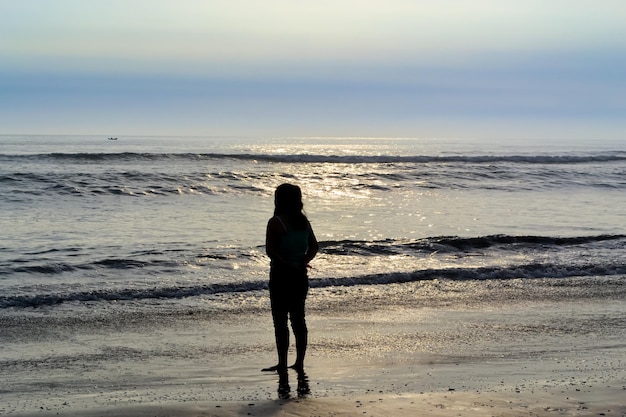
(288, 290)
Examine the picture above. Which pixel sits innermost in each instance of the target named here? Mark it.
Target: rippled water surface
(85, 219)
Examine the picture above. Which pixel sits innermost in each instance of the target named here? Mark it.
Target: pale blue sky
(498, 68)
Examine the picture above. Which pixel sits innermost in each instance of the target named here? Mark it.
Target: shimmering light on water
(178, 215)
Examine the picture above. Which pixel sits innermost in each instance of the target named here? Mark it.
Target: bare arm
(274, 231)
(313, 247)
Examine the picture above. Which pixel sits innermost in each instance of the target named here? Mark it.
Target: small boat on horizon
(112, 138)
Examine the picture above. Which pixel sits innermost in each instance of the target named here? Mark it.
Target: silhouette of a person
(290, 245)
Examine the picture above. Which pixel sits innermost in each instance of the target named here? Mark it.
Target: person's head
(288, 202)
(288, 199)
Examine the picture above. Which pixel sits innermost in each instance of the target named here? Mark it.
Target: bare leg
(300, 331)
(281, 333)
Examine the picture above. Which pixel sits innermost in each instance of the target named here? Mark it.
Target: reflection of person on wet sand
(284, 390)
(291, 245)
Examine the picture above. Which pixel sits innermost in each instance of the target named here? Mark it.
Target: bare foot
(298, 367)
(275, 368)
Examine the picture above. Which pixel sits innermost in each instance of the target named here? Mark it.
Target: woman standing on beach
(291, 245)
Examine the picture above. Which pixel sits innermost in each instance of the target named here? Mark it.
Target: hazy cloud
(342, 67)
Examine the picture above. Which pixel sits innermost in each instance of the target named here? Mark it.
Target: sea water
(161, 220)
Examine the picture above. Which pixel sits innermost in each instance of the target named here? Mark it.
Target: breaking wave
(530, 271)
(160, 262)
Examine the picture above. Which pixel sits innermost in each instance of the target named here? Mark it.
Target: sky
(506, 69)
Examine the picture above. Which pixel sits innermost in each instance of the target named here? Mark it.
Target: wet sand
(525, 357)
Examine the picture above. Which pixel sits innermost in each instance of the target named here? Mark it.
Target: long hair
(288, 203)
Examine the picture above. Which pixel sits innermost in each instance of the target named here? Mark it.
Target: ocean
(154, 221)
(133, 271)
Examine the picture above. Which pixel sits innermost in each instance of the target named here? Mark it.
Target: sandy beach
(538, 353)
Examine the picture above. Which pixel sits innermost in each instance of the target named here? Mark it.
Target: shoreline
(546, 357)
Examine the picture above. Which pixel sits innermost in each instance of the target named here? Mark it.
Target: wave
(28, 178)
(127, 294)
(456, 243)
(529, 271)
(130, 181)
(132, 184)
(161, 261)
(616, 156)
(63, 267)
